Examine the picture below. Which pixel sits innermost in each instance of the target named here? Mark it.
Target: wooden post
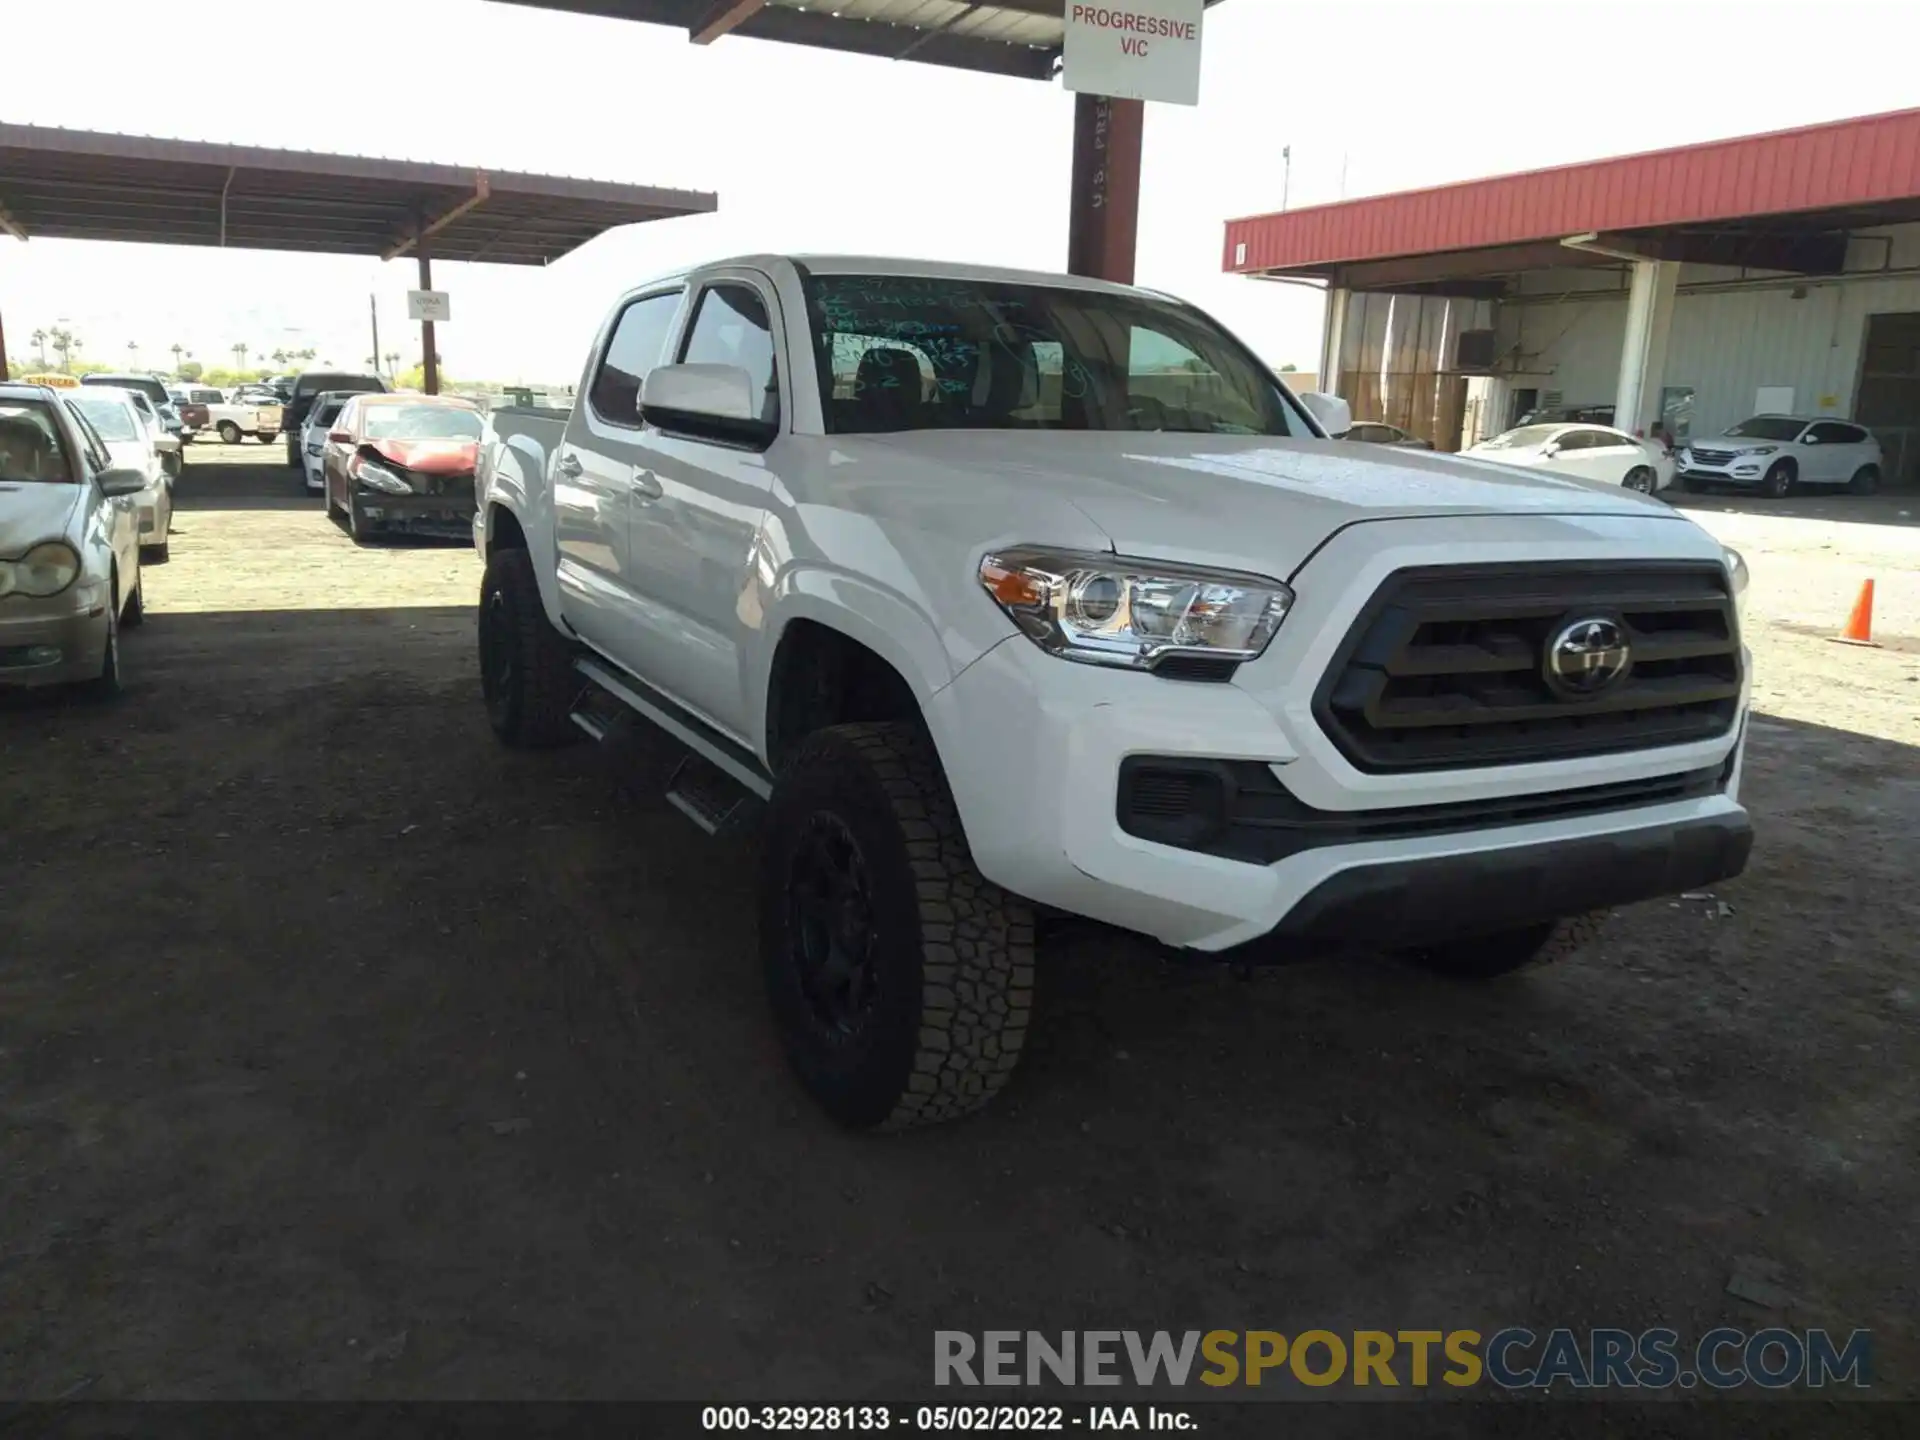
(429, 362)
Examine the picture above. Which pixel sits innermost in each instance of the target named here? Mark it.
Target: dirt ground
(344, 1054)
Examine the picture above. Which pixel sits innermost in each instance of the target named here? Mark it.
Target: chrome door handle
(646, 485)
(569, 466)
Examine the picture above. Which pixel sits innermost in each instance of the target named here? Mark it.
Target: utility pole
(373, 314)
(1286, 174)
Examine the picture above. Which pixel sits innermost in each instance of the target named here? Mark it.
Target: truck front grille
(1447, 668)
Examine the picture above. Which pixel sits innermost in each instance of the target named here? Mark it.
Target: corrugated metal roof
(1841, 165)
(1005, 37)
(83, 185)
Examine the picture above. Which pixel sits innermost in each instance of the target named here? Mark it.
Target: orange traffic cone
(1859, 628)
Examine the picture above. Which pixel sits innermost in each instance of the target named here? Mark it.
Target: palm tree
(133, 354)
(240, 356)
(393, 361)
(63, 345)
(178, 350)
(280, 357)
(40, 347)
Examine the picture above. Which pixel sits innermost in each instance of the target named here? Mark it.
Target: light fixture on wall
(1799, 292)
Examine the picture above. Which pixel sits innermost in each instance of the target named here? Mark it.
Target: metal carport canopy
(82, 185)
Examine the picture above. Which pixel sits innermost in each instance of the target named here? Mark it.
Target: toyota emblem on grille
(1587, 655)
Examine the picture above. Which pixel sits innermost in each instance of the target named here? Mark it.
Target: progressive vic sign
(1135, 49)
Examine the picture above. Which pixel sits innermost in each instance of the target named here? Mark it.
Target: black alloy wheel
(831, 933)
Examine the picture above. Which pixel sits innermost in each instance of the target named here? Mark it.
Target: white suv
(1776, 453)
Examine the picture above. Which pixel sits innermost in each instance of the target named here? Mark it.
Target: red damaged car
(403, 463)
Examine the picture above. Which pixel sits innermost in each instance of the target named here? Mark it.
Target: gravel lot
(343, 1054)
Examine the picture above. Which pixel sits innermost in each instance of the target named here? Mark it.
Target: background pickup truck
(234, 420)
(994, 597)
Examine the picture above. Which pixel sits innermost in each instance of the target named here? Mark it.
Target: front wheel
(526, 666)
(358, 526)
(229, 433)
(1487, 957)
(901, 979)
(1640, 478)
(1865, 480)
(107, 684)
(1779, 481)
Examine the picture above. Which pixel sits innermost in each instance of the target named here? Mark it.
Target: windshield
(112, 419)
(30, 444)
(901, 352)
(1527, 437)
(1768, 427)
(421, 422)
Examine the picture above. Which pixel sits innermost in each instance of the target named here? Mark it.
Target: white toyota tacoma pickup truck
(1016, 595)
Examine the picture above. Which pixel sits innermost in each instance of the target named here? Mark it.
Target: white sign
(1773, 400)
(429, 305)
(1135, 49)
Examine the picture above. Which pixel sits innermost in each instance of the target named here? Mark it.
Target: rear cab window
(638, 344)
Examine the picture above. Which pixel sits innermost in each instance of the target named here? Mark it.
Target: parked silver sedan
(136, 440)
(69, 545)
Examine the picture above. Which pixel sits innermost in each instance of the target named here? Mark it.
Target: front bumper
(53, 642)
(1738, 473)
(449, 514)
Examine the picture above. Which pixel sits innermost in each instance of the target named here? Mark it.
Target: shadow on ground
(349, 1055)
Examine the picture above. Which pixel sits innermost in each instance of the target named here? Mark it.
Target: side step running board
(690, 730)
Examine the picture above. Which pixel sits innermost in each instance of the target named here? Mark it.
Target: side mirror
(1334, 415)
(340, 437)
(720, 401)
(120, 480)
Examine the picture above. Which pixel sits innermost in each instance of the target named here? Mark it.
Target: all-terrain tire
(1486, 957)
(526, 666)
(951, 954)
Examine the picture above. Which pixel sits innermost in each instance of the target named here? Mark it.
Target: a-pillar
(1104, 219)
(1643, 351)
(1333, 338)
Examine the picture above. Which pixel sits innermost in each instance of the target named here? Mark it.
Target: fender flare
(882, 620)
(516, 483)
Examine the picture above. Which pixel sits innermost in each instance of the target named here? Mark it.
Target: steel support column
(1333, 337)
(4, 372)
(429, 362)
(1104, 220)
(1643, 350)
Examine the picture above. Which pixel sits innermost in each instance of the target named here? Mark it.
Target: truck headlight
(46, 569)
(1738, 575)
(1106, 610)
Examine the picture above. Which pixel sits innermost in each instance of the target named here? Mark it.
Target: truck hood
(32, 511)
(1247, 502)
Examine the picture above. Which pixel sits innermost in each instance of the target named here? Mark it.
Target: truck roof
(897, 265)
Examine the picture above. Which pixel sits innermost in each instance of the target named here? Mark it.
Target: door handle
(569, 466)
(646, 485)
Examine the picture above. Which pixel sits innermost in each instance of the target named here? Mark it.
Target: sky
(823, 152)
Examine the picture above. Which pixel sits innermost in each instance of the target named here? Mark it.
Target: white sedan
(135, 441)
(1591, 452)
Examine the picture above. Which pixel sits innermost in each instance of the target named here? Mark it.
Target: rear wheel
(1865, 480)
(1779, 480)
(229, 433)
(526, 666)
(901, 979)
(1486, 957)
(107, 684)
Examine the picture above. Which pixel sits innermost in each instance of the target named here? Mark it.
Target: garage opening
(1890, 395)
